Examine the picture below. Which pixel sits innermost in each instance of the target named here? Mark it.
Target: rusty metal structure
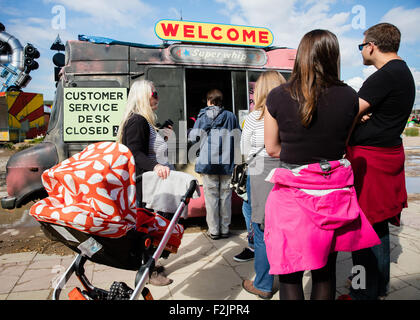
(21, 113)
(16, 62)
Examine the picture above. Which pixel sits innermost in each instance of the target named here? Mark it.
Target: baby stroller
(92, 209)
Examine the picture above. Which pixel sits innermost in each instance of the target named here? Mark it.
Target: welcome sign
(190, 31)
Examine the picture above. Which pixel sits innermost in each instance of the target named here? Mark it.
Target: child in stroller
(92, 209)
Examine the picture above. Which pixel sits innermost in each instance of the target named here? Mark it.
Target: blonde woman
(138, 132)
(252, 140)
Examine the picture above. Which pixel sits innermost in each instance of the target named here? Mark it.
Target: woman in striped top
(252, 141)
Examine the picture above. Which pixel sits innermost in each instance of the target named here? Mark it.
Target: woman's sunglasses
(154, 94)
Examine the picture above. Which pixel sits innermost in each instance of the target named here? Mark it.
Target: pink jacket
(309, 213)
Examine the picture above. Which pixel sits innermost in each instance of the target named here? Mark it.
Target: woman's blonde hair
(138, 102)
(266, 82)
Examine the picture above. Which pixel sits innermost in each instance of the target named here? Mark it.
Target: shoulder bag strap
(252, 156)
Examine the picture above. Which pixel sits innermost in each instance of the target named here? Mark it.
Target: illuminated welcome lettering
(250, 35)
(213, 33)
(170, 29)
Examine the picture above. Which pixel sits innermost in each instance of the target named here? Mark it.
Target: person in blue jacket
(218, 133)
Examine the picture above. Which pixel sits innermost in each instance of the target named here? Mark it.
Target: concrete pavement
(205, 269)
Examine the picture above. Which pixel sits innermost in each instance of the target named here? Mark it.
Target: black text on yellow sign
(93, 114)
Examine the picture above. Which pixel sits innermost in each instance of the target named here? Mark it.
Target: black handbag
(239, 176)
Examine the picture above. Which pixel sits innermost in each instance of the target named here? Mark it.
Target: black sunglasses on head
(154, 94)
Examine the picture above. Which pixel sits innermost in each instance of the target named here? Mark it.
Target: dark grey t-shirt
(325, 138)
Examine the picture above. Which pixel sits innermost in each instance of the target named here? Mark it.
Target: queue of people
(311, 136)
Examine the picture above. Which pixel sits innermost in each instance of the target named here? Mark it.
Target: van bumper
(8, 202)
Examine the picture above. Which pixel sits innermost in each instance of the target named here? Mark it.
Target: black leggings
(323, 283)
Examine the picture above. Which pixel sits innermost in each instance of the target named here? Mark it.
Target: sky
(40, 21)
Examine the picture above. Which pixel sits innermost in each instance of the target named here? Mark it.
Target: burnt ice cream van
(94, 84)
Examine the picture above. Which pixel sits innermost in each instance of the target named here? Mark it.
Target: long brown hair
(317, 67)
(265, 83)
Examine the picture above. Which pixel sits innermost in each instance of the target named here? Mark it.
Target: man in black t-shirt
(388, 95)
(375, 150)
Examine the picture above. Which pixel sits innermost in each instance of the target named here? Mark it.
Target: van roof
(109, 41)
(98, 55)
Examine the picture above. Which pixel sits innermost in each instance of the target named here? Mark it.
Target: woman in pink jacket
(312, 211)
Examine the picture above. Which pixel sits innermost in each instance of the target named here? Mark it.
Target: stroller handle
(190, 191)
(152, 261)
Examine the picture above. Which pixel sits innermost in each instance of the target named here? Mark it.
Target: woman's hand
(366, 117)
(162, 171)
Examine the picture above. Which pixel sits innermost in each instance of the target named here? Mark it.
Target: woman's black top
(136, 137)
(326, 136)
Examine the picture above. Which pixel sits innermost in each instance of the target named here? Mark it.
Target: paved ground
(205, 269)
(202, 269)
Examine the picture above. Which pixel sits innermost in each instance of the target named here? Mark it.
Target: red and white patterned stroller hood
(94, 191)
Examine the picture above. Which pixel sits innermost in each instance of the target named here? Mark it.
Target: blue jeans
(263, 280)
(246, 211)
(376, 261)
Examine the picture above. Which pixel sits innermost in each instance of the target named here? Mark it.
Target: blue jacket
(218, 134)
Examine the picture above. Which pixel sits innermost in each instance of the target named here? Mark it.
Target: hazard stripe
(34, 114)
(40, 122)
(21, 101)
(31, 106)
(11, 98)
(34, 104)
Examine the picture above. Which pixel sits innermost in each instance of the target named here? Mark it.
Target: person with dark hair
(376, 151)
(217, 131)
(312, 211)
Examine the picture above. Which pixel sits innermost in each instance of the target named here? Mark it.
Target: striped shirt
(252, 138)
(158, 148)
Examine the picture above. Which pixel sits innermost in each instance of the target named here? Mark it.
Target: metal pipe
(15, 58)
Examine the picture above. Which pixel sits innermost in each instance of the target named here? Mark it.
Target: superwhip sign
(189, 31)
(184, 53)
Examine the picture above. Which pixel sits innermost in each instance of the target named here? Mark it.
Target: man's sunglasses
(362, 45)
(154, 94)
